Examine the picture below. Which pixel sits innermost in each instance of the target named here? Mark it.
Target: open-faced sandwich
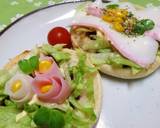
(49, 87)
(120, 38)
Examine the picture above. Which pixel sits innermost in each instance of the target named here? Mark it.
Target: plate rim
(37, 10)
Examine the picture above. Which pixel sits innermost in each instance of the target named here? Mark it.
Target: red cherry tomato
(59, 35)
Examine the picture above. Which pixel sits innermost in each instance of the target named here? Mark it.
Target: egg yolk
(44, 65)
(16, 86)
(45, 88)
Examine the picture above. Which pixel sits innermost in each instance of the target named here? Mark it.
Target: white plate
(126, 104)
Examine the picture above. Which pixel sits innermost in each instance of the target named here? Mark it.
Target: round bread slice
(97, 81)
(124, 73)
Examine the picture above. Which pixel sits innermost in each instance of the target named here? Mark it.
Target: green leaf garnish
(29, 65)
(34, 61)
(149, 24)
(112, 6)
(50, 118)
(143, 25)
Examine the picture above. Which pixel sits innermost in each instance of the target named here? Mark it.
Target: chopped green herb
(130, 14)
(143, 25)
(29, 65)
(112, 6)
(149, 24)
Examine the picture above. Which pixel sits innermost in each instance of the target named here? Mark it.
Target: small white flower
(37, 4)
(2, 26)
(29, 1)
(51, 2)
(14, 3)
(18, 15)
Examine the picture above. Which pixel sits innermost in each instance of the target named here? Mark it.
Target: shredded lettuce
(114, 59)
(8, 118)
(119, 60)
(30, 108)
(76, 118)
(158, 53)
(73, 120)
(82, 114)
(96, 44)
(56, 51)
(79, 73)
(136, 70)
(98, 58)
(85, 109)
(106, 55)
(4, 77)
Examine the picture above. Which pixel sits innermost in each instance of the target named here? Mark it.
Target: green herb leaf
(29, 65)
(143, 25)
(149, 24)
(34, 61)
(25, 66)
(50, 118)
(112, 6)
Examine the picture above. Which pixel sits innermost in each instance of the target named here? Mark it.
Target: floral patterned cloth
(10, 10)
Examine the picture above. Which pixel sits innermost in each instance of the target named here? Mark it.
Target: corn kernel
(44, 65)
(118, 19)
(107, 18)
(117, 26)
(45, 88)
(120, 14)
(16, 86)
(124, 12)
